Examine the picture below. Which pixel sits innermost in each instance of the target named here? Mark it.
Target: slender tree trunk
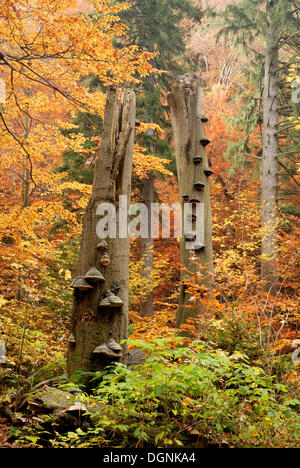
(185, 101)
(269, 190)
(93, 325)
(25, 187)
(146, 306)
(26, 173)
(147, 245)
(25, 193)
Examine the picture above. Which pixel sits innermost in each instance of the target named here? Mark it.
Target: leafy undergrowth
(5, 433)
(185, 396)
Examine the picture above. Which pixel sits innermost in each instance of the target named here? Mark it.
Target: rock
(135, 357)
(51, 398)
(57, 401)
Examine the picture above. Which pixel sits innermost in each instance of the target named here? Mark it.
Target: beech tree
(100, 306)
(161, 27)
(185, 99)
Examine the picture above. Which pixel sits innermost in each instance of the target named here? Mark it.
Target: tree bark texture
(185, 100)
(269, 189)
(92, 325)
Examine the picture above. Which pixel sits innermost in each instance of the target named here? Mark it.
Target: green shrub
(183, 396)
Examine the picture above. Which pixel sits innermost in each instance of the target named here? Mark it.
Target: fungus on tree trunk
(185, 100)
(92, 324)
(197, 160)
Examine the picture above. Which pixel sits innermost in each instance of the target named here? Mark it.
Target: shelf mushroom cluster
(104, 258)
(109, 349)
(82, 283)
(87, 282)
(111, 300)
(199, 186)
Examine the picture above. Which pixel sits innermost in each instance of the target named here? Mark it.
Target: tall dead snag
(100, 306)
(185, 100)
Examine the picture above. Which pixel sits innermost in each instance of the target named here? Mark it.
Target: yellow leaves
(43, 334)
(254, 432)
(145, 163)
(5, 399)
(145, 127)
(2, 301)
(147, 328)
(66, 273)
(66, 44)
(188, 402)
(140, 285)
(294, 72)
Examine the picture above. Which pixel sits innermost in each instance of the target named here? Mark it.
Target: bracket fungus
(81, 284)
(112, 344)
(204, 142)
(105, 302)
(199, 247)
(185, 197)
(104, 349)
(102, 245)
(197, 160)
(94, 275)
(190, 237)
(71, 338)
(116, 301)
(111, 300)
(199, 186)
(194, 201)
(105, 260)
(208, 172)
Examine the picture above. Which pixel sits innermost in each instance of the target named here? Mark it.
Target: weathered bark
(185, 101)
(146, 306)
(90, 324)
(269, 189)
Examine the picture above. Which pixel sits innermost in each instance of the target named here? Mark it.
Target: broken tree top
(188, 81)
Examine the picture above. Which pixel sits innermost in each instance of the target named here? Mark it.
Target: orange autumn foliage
(46, 51)
(42, 212)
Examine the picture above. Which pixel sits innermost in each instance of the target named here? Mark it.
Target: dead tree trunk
(185, 100)
(100, 314)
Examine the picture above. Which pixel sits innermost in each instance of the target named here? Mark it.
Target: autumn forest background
(228, 374)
